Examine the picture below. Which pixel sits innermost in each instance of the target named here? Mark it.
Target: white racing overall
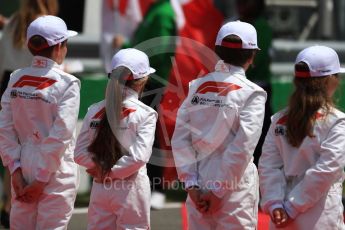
(37, 133)
(217, 128)
(306, 181)
(123, 202)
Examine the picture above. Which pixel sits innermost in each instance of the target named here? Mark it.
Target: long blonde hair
(106, 149)
(29, 10)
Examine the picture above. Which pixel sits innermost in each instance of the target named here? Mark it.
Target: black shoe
(5, 218)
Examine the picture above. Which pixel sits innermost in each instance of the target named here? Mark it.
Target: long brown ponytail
(309, 96)
(105, 148)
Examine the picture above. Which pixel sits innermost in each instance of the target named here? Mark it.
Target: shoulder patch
(99, 114)
(125, 112)
(319, 116)
(34, 81)
(282, 120)
(222, 88)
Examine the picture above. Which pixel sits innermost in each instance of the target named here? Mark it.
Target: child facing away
(37, 131)
(115, 143)
(217, 128)
(303, 159)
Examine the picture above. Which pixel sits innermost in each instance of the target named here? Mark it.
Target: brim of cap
(342, 70)
(152, 70)
(72, 33)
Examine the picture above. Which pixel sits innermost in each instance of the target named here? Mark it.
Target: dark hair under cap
(231, 52)
(38, 45)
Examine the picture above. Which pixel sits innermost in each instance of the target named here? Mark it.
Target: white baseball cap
(135, 60)
(245, 31)
(321, 60)
(51, 28)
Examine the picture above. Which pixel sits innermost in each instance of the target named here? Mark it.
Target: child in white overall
(217, 128)
(302, 164)
(37, 131)
(115, 144)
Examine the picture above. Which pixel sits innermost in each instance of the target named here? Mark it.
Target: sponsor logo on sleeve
(195, 100)
(219, 90)
(280, 129)
(100, 114)
(14, 93)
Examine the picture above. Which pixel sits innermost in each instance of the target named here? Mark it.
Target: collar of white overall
(223, 67)
(43, 62)
(130, 93)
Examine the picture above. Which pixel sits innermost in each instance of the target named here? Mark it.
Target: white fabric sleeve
(271, 172)
(60, 134)
(140, 152)
(9, 144)
(239, 153)
(183, 151)
(328, 169)
(81, 155)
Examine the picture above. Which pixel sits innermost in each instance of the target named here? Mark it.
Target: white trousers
(55, 206)
(326, 214)
(239, 208)
(120, 204)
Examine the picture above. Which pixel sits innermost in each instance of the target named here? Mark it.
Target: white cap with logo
(321, 60)
(245, 31)
(135, 60)
(51, 28)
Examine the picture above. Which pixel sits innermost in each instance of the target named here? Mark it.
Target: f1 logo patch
(99, 114)
(34, 81)
(125, 112)
(96, 119)
(222, 88)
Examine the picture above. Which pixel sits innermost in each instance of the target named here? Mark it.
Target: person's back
(15, 55)
(302, 166)
(37, 131)
(217, 128)
(115, 143)
(34, 93)
(134, 112)
(298, 160)
(155, 35)
(217, 99)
